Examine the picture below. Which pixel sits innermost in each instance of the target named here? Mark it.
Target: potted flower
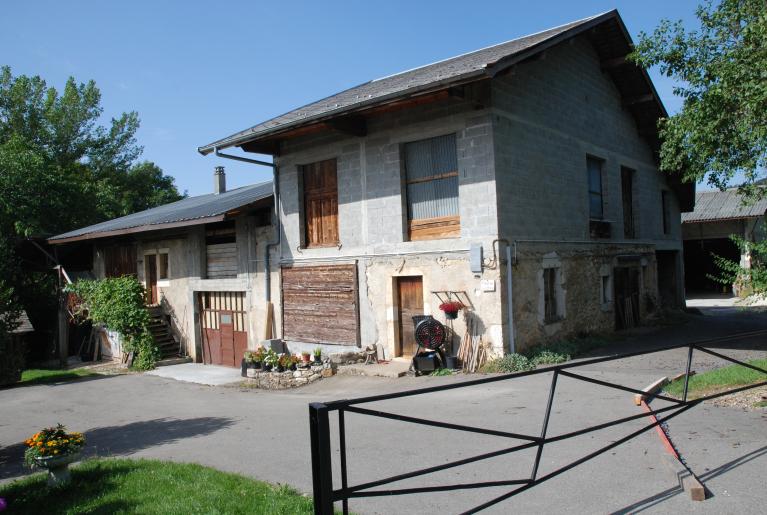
(283, 362)
(54, 449)
(258, 356)
(318, 355)
(295, 359)
(451, 308)
(270, 360)
(306, 356)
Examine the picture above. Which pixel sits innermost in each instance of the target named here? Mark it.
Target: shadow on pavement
(122, 440)
(658, 498)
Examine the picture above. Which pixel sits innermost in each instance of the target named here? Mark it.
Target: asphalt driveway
(265, 434)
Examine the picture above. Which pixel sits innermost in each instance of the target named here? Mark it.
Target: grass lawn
(41, 375)
(152, 487)
(720, 379)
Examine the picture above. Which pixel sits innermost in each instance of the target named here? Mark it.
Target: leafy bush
(508, 363)
(548, 357)
(118, 303)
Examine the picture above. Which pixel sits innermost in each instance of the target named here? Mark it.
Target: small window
(320, 185)
(627, 190)
(596, 209)
(550, 295)
(605, 289)
(431, 177)
(665, 208)
(162, 266)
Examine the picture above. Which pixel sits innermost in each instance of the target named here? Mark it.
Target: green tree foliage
(119, 304)
(60, 169)
(753, 279)
(721, 72)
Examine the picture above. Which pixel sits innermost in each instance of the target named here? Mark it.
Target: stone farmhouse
(520, 180)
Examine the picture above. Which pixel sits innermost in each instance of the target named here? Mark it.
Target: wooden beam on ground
(650, 390)
(680, 375)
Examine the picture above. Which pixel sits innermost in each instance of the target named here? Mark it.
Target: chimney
(219, 180)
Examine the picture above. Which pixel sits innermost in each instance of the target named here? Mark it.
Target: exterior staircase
(163, 334)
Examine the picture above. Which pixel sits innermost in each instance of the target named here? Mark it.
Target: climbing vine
(118, 303)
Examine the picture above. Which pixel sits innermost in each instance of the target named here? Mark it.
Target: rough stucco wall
(372, 217)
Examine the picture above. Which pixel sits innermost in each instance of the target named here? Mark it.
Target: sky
(198, 71)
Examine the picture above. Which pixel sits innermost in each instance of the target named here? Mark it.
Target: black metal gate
(322, 473)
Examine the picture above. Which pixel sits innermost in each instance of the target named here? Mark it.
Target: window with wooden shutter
(431, 168)
(320, 185)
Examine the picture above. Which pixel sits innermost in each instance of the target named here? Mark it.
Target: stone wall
(288, 379)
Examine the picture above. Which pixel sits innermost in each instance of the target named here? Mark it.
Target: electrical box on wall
(475, 258)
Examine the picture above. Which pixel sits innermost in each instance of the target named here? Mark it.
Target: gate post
(322, 472)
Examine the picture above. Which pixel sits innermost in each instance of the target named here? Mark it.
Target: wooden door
(410, 301)
(151, 279)
(626, 280)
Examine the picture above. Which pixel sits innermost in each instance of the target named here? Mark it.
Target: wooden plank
(268, 330)
(434, 228)
(650, 390)
(694, 487)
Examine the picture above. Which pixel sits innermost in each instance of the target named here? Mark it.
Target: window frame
(592, 192)
(550, 293)
(161, 282)
(441, 227)
(318, 195)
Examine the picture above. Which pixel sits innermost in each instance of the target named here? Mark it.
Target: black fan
(430, 333)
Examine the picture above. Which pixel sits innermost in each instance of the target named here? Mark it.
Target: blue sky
(198, 71)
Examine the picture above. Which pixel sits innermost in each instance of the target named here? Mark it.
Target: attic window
(431, 175)
(596, 205)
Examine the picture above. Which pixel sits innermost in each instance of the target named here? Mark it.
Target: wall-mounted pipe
(276, 194)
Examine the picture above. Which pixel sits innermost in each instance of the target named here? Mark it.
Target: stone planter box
(290, 378)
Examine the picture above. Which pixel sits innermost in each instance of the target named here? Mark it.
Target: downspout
(276, 194)
(509, 295)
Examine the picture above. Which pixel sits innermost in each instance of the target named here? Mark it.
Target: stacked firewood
(473, 352)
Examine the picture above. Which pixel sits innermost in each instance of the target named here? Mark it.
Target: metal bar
(444, 488)
(436, 468)
(618, 386)
(436, 423)
(342, 445)
(732, 360)
(408, 393)
(322, 472)
(544, 428)
(577, 462)
(687, 373)
(605, 425)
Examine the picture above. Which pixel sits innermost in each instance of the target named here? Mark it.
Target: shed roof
(189, 211)
(713, 206)
(472, 65)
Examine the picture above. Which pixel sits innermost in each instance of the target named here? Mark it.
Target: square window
(162, 267)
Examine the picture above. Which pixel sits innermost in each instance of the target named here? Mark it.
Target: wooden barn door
(410, 301)
(223, 321)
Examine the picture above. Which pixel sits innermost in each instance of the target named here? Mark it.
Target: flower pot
(244, 366)
(280, 368)
(318, 361)
(293, 367)
(255, 365)
(452, 362)
(451, 315)
(306, 359)
(58, 467)
(251, 372)
(267, 367)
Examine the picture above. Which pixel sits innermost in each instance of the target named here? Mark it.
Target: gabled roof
(481, 63)
(711, 206)
(189, 211)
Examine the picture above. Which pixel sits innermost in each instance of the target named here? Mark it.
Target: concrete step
(397, 367)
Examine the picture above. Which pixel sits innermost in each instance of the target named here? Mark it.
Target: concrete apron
(212, 375)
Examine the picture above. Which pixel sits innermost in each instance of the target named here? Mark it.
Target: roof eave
(139, 228)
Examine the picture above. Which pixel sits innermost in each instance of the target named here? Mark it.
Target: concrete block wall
(548, 116)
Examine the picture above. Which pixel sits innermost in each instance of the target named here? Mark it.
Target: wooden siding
(221, 260)
(319, 304)
(320, 184)
(120, 260)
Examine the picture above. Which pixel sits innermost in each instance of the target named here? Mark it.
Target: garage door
(224, 329)
(319, 304)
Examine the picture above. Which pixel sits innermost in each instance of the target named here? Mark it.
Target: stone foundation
(289, 378)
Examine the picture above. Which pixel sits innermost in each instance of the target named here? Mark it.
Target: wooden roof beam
(639, 99)
(352, 125)
(614, 62)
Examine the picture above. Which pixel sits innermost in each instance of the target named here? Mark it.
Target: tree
(61, 169)
(721, 72)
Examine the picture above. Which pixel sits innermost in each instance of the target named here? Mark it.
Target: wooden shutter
(120, 260)
(320, 183)
(319, 304)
